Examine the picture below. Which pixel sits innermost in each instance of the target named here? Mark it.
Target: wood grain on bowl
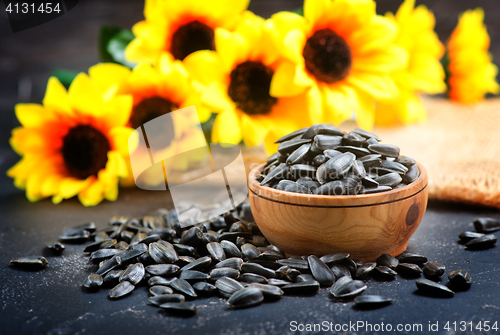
(365, 226)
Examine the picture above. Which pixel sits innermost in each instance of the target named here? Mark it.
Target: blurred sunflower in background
(235, 82)
(156, 90)
(72, 144)
(422, 73)
(471, 73)
(181, 27)
(340, 54)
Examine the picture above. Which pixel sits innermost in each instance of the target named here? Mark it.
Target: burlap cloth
(458, 145)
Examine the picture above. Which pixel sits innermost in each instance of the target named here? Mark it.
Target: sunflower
(471, 71)
(423, 71)
(235, 82)
(156, 90)
(181, 27)
(340, 54)
(72, 144)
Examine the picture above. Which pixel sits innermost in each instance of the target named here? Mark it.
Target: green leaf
(64, 76)
(299, 11)
(112, 43)
(105, 35)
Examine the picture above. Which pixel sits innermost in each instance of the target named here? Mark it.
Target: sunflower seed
(320, 271)
(409, 270)
(349, 290)
(390, 179)
(227, 286)
(109, 265)
(249, 251)
(103, 254)
(364, 270)
(268, 290)
(276, 174)
(298, 264)
(277, 282)
(387, 260)
(333, 258)
(339, 165)
(218, 273)
(56, 247)
(486, 225)
(158, 300)
(291, 135)
(234, 262)
(93, 281)
(433, 269)
(483, 242)
(322, 129)
(371, 301)
(387, 150)
(429, 287)
(112, 277)
(30, 262)
(307, 287)
(157, 280)
(204, 288)
(460, 280)
(121, 290)
(160, 290)
(162, 252)
(384, 273)
(335, 187)
(466, 236)
(187, 308)
(298, 154)
(134, 273)
(290, 146)
(412, 258)
(183, 287)
(162, 269)
(258, 269)
(193, 275)
(247, 297)
(230, 249)
(411, 175)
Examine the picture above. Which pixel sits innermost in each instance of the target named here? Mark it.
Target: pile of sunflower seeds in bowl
(323, 160)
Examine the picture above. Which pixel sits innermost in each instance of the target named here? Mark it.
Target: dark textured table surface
(52, 301)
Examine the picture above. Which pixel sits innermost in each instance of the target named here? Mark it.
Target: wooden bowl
(364, 226)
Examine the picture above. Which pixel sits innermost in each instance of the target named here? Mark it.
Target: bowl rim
(335, 201)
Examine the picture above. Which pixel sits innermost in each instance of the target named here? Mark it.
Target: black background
(52, 302)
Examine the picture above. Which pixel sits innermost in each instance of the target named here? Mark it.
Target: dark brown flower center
(85, 151)
(151, 108)
(191, 37)
(249, 88)
(327, 56)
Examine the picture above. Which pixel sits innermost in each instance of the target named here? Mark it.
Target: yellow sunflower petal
(32, 115)
(92, 195)
(378, 86)
(231, 47)
(227, 128)
(215, 96)
(283, 81)
(205, 67)
(315, 10)
(69, 187)
(254, 130)
(50, 185)
(315, 104)
(56, 97)
(365, 112)
(84, 96)
(119, 139)
(106, 75)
